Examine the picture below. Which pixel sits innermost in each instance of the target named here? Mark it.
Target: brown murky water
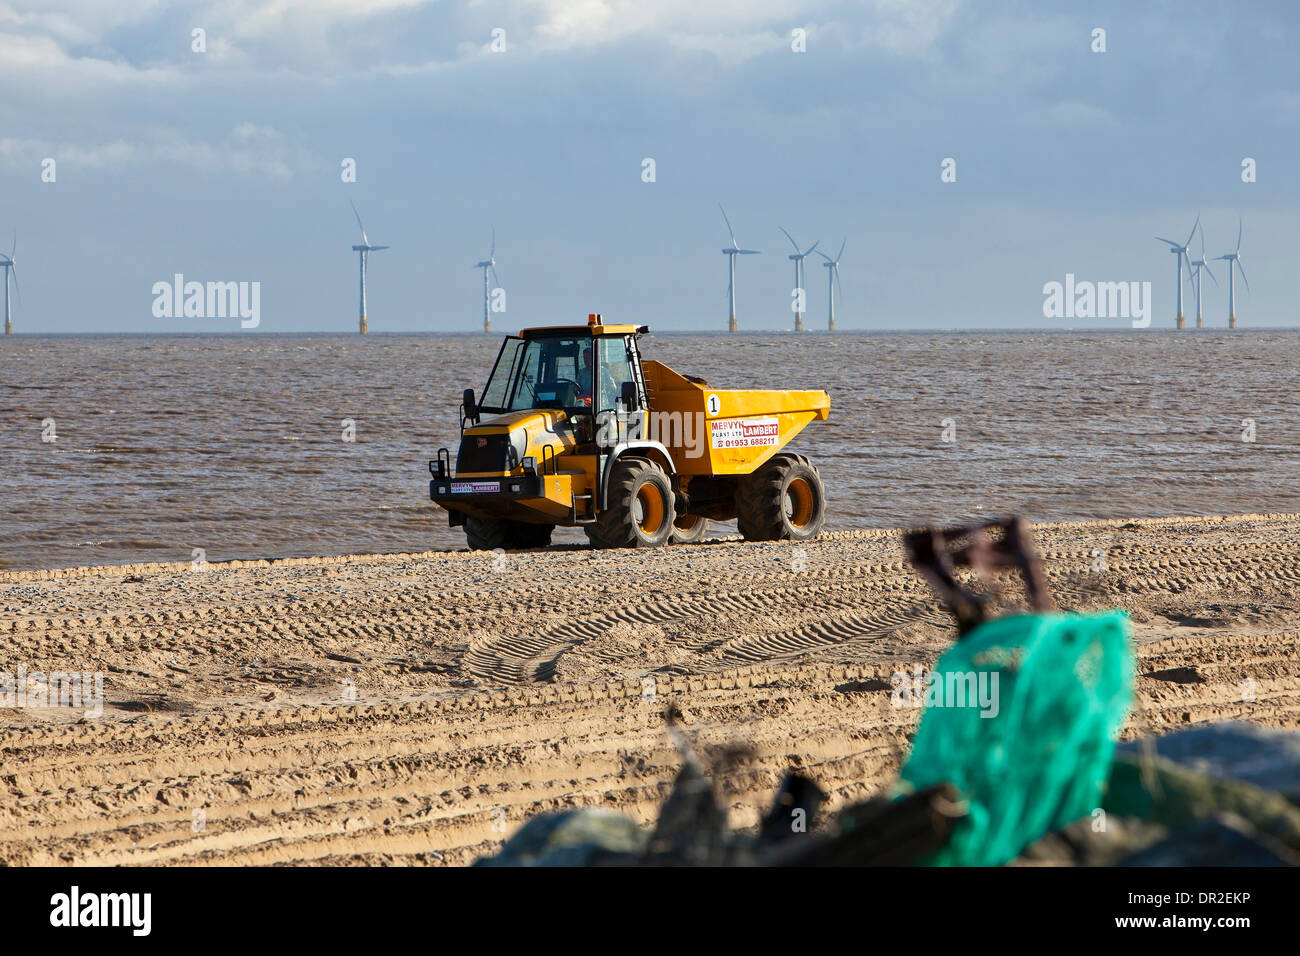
(234, 444)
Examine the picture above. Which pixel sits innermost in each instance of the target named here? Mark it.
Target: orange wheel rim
(687, 522)
(649, 509)
(799, 502)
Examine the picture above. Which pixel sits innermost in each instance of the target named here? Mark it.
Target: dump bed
(725, 431)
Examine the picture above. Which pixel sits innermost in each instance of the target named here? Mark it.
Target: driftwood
(878, 832)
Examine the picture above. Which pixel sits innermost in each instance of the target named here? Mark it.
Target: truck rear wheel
(782, 501)
(639, 512)
(489, 534)
(690, 528)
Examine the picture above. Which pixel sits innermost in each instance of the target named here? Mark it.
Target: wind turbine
(1197, 266)
(364, 250)
(798, 258)
(7, 263)
(1180, 253)
(832, 280)
(489, 265)
(731, 252)
(1234, 259)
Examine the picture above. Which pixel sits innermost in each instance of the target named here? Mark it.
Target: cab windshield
(570, 372)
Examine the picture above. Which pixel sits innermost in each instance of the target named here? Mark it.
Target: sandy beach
(417, 708)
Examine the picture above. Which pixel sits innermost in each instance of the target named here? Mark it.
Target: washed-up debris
(1257, 755)
(939, 554)
(692, 829)
(592, 837)
(1151, 788)
(1093, 841)
(1014, 761)
(1221, 840)
(1024, 726)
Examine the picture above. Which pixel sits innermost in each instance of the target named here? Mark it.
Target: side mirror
(629, 396)
(470, 406)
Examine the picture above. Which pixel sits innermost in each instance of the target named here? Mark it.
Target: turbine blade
(1238, 234)
(791, 238)
(812, 247)
(1170, 241)
(495, 278)
(14, 249)
(1192, 235)
(14, 272)
(824, 256)
(1243, 272)
(748, 252)
(364, 240)
(1206, 266)
(734, 243)
(842, 245)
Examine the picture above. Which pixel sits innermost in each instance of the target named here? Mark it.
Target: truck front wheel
(640, 508)
(782, 501)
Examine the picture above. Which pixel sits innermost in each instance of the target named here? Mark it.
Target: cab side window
(614, 371)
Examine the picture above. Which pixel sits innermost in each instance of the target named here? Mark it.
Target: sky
(226, 164)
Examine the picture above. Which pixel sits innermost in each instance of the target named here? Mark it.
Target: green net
(1021, 715)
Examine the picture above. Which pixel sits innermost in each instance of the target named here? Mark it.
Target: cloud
(337, 37)
(248, 150)
(45, 64)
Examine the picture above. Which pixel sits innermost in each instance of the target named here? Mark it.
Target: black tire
(640, 508)
(782, 501)
(489, 534)
(529, 535)
(688, 529)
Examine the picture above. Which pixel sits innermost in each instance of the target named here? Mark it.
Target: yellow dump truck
(574, 429)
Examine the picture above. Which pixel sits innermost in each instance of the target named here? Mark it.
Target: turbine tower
(731, 252)
(489, 265)
(832, 280)
(1180, 253)
(7, 263)
(364, 251)
(1234, 259)
(798, 258)
(1197, 266)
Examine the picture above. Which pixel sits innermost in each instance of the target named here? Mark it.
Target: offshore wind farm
(1189, 274)
(10, 275)
(363, 255)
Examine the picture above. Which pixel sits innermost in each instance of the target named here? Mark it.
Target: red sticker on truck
(745, 432)
(474, 487)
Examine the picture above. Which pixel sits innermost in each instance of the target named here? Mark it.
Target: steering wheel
(566, 389)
